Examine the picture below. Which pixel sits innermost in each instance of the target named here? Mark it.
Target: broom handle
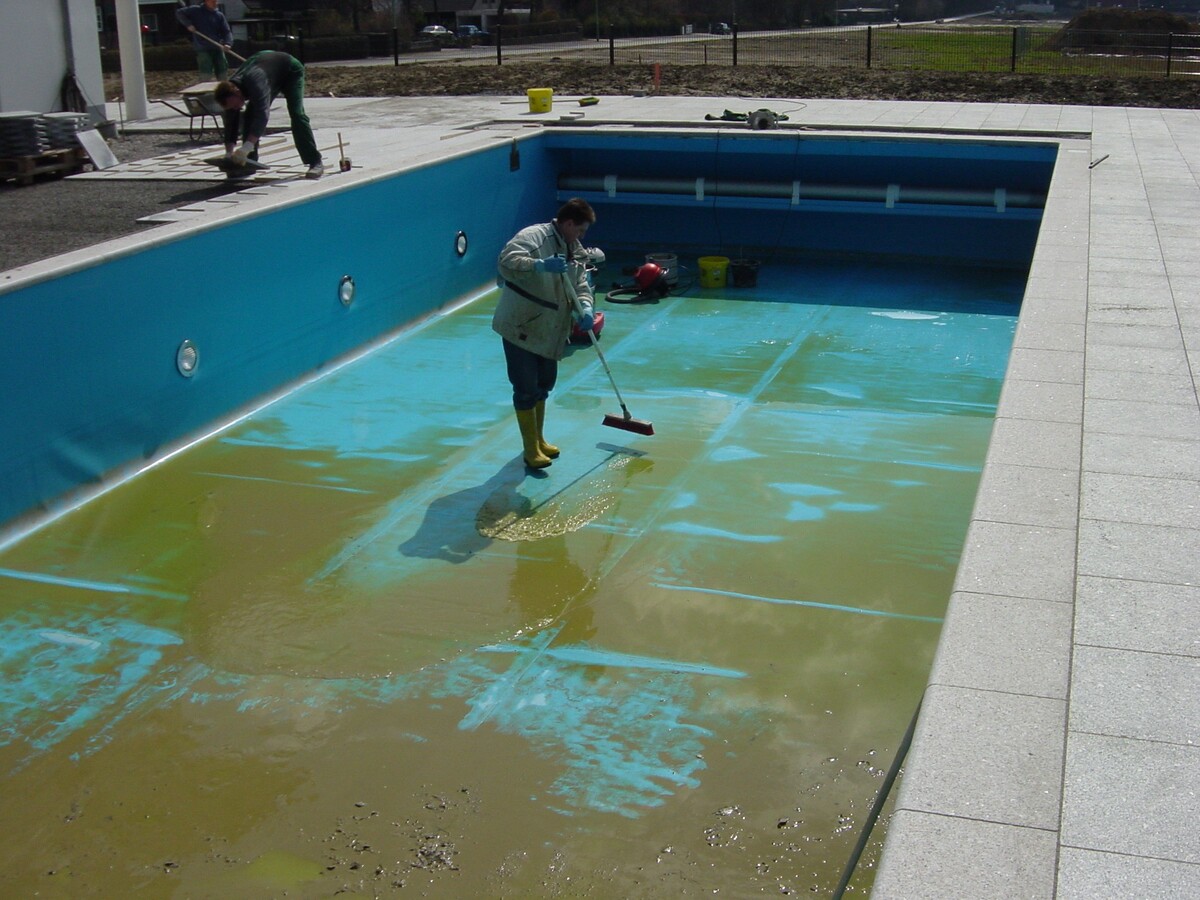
(228, 52)
(595, 343)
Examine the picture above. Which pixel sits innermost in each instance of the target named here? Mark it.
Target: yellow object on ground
(713, 271)
(534, 457)
(540, 99)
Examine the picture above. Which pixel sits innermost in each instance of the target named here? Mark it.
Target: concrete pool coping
(1055, 754)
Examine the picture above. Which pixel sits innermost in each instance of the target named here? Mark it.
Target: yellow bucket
(540, 99)
(713, 271)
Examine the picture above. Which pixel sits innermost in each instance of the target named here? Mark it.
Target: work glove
(242, 153)
(586, 322)
(554, 264)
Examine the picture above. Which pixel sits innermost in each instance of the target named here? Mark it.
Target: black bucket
(745, 272)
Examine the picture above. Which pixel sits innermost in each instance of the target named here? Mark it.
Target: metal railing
(1033, 49)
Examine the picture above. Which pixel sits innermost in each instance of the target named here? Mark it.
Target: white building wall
(39, 43)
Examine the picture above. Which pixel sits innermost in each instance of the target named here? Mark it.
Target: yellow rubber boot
(527, 422)
(539, 416)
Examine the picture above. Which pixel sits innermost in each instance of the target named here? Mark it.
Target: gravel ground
(56, 216)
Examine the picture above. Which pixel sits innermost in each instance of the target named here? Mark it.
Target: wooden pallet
(24, 169)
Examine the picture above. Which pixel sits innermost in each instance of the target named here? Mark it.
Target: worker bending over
(246, 100)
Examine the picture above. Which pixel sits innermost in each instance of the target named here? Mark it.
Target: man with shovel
(206, 21)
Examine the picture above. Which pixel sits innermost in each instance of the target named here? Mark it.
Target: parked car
(720, 28)
(439, 34)
(472, 34)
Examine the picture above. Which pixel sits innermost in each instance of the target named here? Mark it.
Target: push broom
(625, 422)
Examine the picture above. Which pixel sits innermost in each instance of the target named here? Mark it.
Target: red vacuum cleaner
(649, 285)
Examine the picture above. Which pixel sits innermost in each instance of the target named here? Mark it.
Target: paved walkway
(1056, 753)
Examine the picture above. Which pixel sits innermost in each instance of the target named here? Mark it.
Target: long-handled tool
(625, 422)
(204, 37)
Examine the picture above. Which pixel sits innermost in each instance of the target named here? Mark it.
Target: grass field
(934, 48)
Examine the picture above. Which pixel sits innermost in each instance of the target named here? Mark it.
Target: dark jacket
(210, 22)
(261, 78)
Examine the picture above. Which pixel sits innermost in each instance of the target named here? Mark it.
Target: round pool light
(346, 290)
(460, 243)
(187, 358)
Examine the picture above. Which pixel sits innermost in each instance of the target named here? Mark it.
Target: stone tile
(1129, 796)
(1127, 318)
(1026, 442)
(1130, 693)
(1135, 454)
(983, 634)
(1089, 875)
(1138, 615)
(1142, 499)
(1058, 279)
(1046, 365)
(1130, 289)
(1018, 561)
(1124, 358)
(1028, 495)
(1042, 309)
(1100, 265)
(1163, 336)
(1111, 384)
(1139, 552)
(1168, 421)
(986, 755)
(1051, 401)
(930, 857)
(1057, 337)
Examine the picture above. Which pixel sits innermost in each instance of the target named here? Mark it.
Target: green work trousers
(212, 64)
(293, 93)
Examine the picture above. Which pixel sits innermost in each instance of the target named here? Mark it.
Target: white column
(133, 70)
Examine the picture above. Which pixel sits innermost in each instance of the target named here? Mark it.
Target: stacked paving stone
(22, 133)
(61, 128)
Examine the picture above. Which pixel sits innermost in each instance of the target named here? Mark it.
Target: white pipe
(133, 69)
(795, 191)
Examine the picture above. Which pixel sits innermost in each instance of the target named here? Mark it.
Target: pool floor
(350, 643)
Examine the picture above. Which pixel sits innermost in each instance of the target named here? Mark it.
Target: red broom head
(637, 426)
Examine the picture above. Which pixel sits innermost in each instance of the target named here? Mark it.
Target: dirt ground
(742, 81)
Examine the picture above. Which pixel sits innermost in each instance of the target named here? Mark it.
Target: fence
(1032, 49)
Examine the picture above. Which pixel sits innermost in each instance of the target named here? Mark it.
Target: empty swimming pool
(346, 642)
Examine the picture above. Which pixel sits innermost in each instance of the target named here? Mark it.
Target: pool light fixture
(187, 359)
(460, 243)
(346, 290)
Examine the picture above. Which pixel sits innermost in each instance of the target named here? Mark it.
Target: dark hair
(576, 210)
(223, 91)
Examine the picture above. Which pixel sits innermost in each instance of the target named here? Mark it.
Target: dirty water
(350, 645)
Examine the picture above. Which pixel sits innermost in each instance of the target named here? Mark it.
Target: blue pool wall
(93, 351)
(741, 226)
(89, 355)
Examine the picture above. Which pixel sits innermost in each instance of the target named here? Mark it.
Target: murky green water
(350, 645)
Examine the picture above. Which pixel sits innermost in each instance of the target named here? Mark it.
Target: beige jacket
(535, 310)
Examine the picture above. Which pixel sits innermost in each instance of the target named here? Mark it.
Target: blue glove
(555, 264)
(586, 322)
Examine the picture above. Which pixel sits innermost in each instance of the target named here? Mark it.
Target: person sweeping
(211, 36)
(535, 313)
(246, 100)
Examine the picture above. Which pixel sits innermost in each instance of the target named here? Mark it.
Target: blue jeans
(532, 376)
